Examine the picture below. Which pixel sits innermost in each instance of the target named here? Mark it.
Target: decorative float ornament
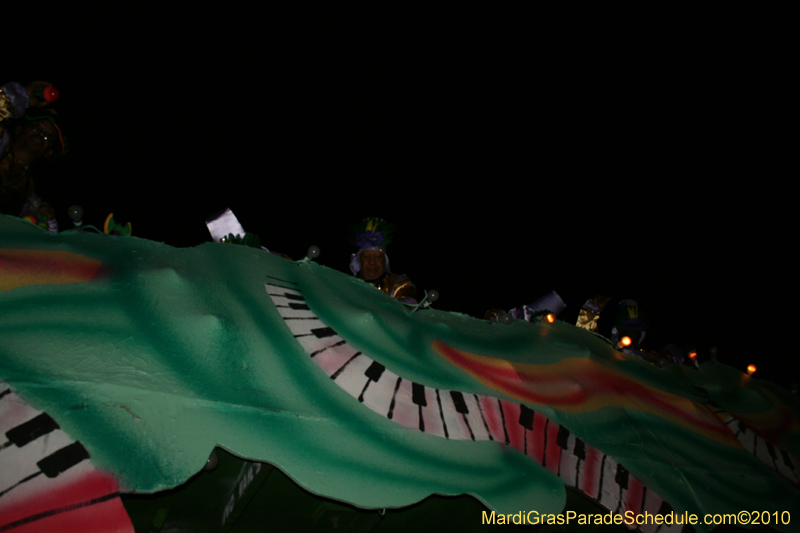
(75, 213)
(550, 317)
(625, 341)
(49, 94)
(313, 252)
(430, 297)
(111, 227)
(751, 369)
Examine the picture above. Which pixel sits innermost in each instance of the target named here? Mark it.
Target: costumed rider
(35, 135)
(590, 312)
(629, 330)
(371, 263)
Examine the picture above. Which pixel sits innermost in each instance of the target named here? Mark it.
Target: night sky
(646, 152)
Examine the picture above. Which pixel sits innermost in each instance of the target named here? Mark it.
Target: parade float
(225, 388)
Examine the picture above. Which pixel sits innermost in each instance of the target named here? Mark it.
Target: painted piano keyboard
(47, 482)
(781, 461)
(463, 416)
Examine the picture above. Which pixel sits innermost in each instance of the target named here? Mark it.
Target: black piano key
(364, 390)
(31, 430)
(787, 461)
(459, 403)
(321, 333)
(374, 374)
(602, 477)
(418, 395)
(503, 418)
(580, 449)
(526, 417)
(2, 394)
(742, 428)
(394, 397)
(441, 414)
(299, 307)
(63, 459)
(374, 371)
(644, 499)
(665, 508)
(544, 442)
(292, 296)
(771, 451)
(562, 438)
(621, 477)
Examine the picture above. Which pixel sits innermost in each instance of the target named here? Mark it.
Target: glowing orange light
(550, 317)
(625, 341)
(751, 369)
(692, 355)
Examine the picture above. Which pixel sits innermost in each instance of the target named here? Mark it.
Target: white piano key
(431, 416)
(335, 357)
(748, 439)
(568, 468)
(13, 411)
(456, 425)
(474, 417)
(492, 413)
(378, 396)
(591, 469)
(287, 301)
(296, 312)
(314, 345)
(552, 451)
(351, 377)
(632, 496)
(537, 448)
(404, 411)
(282, 295)
(609, 494)
(516, 433)
(309, 328)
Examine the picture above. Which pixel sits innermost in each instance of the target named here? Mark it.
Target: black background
(643, 151)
